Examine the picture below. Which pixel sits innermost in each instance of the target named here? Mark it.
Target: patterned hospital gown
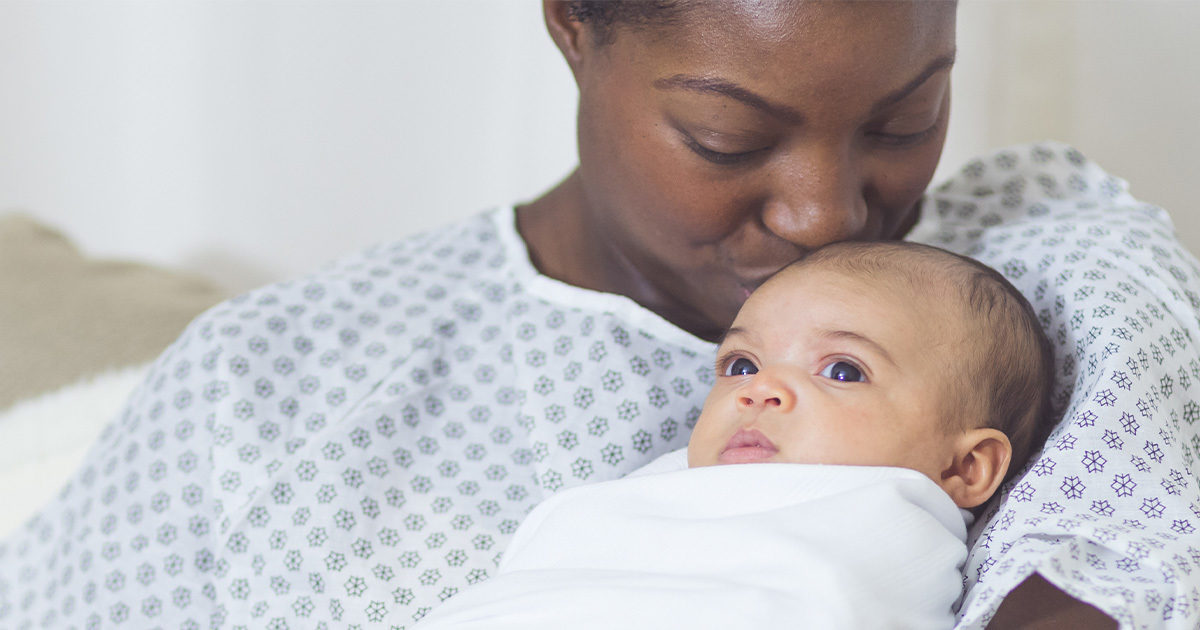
(349, 449)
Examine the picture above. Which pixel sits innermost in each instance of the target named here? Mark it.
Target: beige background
(252, 140)
(1118, 80)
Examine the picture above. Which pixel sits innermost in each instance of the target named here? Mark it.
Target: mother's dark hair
(602, 15)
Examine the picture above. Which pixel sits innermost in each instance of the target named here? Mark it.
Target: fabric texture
(356, 446)
(65, 316)
(1108, 510)
(755, 546)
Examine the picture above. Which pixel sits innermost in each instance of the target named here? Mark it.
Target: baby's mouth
(747, 447)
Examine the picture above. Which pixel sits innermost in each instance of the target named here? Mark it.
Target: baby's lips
(747, 446)
(749, 437)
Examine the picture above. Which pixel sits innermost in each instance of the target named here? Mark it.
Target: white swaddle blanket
(747, 546)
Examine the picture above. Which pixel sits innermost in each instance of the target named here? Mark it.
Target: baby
(879, 389)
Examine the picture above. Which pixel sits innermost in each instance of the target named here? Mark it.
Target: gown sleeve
(1108, 510)
(148, 528)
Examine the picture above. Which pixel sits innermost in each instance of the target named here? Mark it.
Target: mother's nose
(816, 197)
(765, 391)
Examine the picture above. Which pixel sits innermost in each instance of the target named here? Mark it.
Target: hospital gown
(352, 448)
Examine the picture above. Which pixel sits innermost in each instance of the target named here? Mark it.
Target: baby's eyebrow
(863, 339)
(733, 331)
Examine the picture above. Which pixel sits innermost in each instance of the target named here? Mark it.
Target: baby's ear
(980, 462)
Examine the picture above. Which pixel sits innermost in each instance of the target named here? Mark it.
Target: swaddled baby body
(866, 396)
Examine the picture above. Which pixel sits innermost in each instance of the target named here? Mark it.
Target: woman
(355, 446)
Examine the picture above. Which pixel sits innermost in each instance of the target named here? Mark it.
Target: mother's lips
(747, 447)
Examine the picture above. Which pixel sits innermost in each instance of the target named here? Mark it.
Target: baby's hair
(1014, 368)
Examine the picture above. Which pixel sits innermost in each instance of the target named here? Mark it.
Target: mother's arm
(1039, 605)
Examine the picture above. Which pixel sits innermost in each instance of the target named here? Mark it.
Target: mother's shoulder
(427, 266)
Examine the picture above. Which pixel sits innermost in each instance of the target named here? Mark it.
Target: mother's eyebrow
(714, 85)
(935, 66)
(722, 87)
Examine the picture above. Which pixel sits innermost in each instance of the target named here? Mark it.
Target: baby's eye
(843, 371)
(741, 367)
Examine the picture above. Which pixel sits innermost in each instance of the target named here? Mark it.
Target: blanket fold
(750, 546)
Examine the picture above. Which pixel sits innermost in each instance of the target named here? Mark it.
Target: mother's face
(718, 148)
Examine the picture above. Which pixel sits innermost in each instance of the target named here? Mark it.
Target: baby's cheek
(699, 449)
(693, 453)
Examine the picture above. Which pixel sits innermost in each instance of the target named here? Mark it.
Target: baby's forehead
(930, 289)
(900, 276)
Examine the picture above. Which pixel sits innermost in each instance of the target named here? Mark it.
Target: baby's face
(821, 367)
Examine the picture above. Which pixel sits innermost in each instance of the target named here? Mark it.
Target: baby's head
(883, 354)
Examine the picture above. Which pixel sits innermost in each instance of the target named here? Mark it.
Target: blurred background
(251, 141)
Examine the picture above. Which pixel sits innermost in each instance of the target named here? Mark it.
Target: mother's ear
(570, 35)
(981, 460)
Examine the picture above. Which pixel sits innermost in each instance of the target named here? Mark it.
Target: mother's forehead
(834, 51)
(786, 17)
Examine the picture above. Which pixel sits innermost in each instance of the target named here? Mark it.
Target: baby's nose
(768, 392)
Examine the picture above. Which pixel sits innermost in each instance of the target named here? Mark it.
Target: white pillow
(46, 438)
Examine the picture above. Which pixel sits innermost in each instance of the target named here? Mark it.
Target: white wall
(1118, 80)
(252, 140)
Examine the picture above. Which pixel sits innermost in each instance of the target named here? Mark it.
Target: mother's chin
(708, 308)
